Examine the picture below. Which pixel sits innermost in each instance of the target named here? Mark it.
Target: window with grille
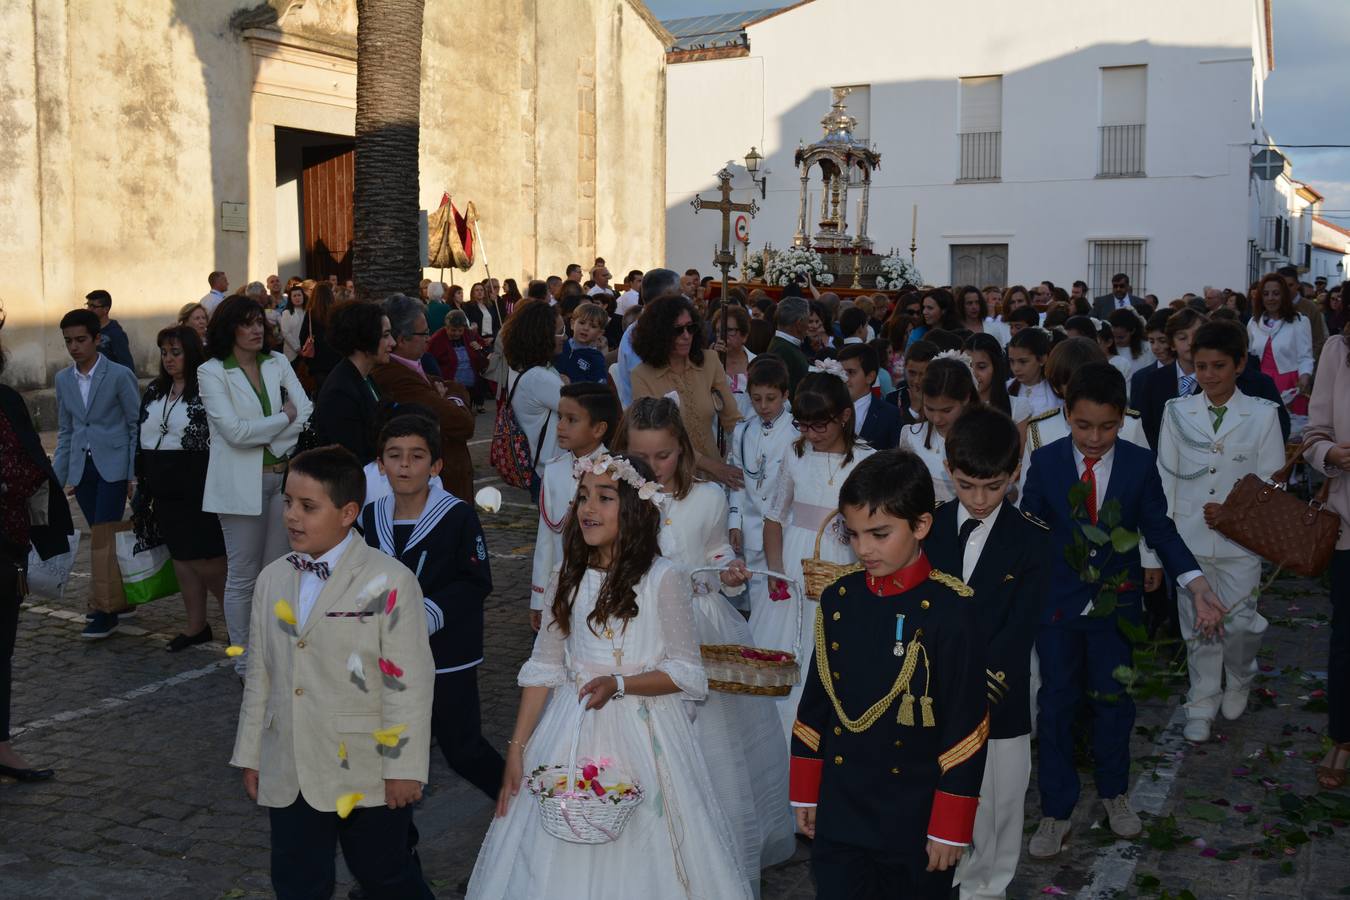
(981, 128)
(1120, 138)
(1106, 259)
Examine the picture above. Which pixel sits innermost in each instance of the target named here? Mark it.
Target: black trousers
(846, 872)
(378, 843)
(457, 724)
(1338, 665)
(9, 627)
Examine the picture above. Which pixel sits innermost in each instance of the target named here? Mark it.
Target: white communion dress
(739, 733)
(807, 494)
(677, 843)
(913, 438)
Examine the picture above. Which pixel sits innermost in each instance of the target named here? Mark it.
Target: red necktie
(1090, 479)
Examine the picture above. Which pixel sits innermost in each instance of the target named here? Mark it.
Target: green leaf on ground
(1206, 812)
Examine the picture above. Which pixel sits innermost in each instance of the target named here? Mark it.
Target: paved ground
(145, 805)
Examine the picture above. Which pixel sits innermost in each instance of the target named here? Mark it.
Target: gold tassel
(906, 716)
(926, 708)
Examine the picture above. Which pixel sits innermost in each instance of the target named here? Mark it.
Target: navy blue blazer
(1134, 482)
(881, 427)
(1161, 386)
(1009, 580)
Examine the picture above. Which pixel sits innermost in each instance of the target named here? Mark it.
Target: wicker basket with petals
(758, 671)
(580, 816)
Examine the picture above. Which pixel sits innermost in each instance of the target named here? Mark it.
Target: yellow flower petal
(389, 736)
(234, 650)
(284, 612)
(342, 751)
(346, 803)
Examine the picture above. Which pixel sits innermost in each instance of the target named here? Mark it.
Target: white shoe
(1123, 820)
(1049, 838)
(1196, 730)
(1234, 703)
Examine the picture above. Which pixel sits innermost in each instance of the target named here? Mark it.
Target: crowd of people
(698, 461)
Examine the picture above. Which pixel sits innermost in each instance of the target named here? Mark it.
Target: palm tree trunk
(388, 106)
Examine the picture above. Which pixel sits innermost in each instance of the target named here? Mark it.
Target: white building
(1330, 251)
(1038, 139)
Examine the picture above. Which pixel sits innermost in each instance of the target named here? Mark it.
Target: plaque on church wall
(234, 217)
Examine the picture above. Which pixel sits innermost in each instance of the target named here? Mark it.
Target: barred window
(981, 128)
(1109, 258)
(1120, 138)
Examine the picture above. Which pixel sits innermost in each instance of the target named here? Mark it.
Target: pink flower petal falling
(389, 603)
(388, 667)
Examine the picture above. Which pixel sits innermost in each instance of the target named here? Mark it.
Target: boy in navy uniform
(438, 536)
(888, 746)
(1079, 650)
(1003, 554)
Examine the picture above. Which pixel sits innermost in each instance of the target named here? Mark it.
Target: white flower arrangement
(897, 272)
(753, 267)
(831, 367)
(787, 264)
(960, 356)
(621, 470)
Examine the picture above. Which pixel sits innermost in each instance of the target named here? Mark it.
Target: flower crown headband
(959, 356)
(830, 367)
(621, 470)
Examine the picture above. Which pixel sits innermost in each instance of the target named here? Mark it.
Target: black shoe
(183, 641)
(128, 613)
(100, 626)
(26, 774)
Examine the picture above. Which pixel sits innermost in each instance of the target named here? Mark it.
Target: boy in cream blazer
(335, 726)
(1208, 442)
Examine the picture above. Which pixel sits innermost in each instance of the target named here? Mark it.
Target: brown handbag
(1264, 517)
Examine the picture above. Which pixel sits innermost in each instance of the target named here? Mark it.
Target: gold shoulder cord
(876, 710)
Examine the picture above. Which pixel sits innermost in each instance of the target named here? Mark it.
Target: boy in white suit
(757, 447)
(588, 414)
(335, 727)
(1207, 443)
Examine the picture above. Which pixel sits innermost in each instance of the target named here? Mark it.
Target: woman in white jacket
(257, 408)
(1282, 339)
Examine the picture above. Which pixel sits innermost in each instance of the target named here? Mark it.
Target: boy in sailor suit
(438, 537)
(1207, 443)
(587, 416)
(757, 448)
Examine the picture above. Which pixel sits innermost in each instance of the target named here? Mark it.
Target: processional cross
(724, 258)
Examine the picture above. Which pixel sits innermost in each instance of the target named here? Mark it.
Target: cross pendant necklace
(617, 651)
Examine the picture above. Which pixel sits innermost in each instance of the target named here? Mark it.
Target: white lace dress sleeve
(546, 666)
(680, 658)
(780, 502)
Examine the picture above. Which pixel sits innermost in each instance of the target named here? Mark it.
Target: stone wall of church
(129, 122)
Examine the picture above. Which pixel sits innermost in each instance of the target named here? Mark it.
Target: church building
(149, 142)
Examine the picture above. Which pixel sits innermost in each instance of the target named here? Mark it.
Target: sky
(1307, 96)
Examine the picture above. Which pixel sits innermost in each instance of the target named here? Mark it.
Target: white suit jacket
(1293, 344)
(760, 459)
(302, 702)
(239, 430)
(1199, 465)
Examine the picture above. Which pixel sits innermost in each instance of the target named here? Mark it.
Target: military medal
(899, 635)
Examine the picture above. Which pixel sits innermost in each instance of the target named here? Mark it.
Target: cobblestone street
(145, 805)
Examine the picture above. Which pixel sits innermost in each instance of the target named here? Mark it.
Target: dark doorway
(980, 264)
(326, 195)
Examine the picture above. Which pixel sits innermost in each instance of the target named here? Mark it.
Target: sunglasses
(813, 427)
(691, 329)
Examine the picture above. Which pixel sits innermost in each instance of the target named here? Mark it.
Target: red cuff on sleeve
(804, 780)
(953, 817)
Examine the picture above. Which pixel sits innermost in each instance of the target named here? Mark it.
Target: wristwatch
(618, 694)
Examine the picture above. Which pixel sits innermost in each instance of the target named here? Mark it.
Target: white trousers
(1235, 580)
(988, 865)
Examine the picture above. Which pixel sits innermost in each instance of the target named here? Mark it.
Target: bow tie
(319, 569)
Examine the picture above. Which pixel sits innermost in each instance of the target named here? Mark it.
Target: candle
(914, 225)
(859, 219)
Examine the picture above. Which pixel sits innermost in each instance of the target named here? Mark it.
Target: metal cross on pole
(724, 258)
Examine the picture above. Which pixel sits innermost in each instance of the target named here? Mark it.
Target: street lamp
(752, 161)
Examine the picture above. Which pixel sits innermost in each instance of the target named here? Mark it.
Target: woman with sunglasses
(668, 338)
(736, 357)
